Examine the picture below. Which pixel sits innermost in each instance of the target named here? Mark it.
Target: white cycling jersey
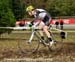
(40, 13)
(43, 15)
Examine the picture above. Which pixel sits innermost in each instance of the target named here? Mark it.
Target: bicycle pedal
(46, 43)
(52, 43)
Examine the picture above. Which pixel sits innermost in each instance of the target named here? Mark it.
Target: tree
(7, 18)
(18, 9)
(6, 15)
(61, 7)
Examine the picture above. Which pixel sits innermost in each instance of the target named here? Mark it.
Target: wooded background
(12, 10)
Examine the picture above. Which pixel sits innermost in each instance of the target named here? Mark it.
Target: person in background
(61, 24)
(57, 24)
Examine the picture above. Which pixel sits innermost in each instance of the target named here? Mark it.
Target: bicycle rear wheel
(57, 46)
(28, 47)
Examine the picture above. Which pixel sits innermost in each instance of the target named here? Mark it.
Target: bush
(7, 18)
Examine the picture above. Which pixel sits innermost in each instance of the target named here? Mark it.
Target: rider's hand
(32, 22)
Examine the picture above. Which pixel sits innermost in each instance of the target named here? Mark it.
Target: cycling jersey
(43, 15)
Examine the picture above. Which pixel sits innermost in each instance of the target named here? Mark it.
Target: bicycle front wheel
(28, 47)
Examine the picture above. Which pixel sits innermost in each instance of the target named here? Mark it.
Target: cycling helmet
(29, 8)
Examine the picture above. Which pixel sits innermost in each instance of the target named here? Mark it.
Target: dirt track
(67, 54)
(9, 49)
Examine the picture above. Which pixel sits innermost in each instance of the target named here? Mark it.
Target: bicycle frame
(34, 31)
(33, 46)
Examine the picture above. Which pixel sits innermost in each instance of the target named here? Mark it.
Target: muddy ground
(9, 50)
(66, 54)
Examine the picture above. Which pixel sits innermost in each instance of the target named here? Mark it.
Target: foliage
(18, 9)
(6, 16)
(15, 9)
(61, 7)
(55, 7)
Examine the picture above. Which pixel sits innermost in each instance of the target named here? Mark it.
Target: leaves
(6, 15)
(61, 7)
(18, 9)
(7, 18)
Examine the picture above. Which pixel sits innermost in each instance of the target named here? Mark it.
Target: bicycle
(34, 45)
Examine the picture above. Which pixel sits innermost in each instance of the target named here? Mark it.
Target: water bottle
(29, 24)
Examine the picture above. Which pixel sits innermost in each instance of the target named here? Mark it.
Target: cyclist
(42, 19)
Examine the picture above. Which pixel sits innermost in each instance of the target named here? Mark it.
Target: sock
(42, 37)
(50, 39)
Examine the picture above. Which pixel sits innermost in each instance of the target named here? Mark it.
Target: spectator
(61, 24)
(22, 23)
(57, 23)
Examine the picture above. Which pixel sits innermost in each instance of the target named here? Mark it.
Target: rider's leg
(41, 32)
(45, 28)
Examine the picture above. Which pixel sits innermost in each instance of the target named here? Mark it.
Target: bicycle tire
(57, 46)
(28, 48)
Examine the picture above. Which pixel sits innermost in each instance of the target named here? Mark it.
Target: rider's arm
(36, 22)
